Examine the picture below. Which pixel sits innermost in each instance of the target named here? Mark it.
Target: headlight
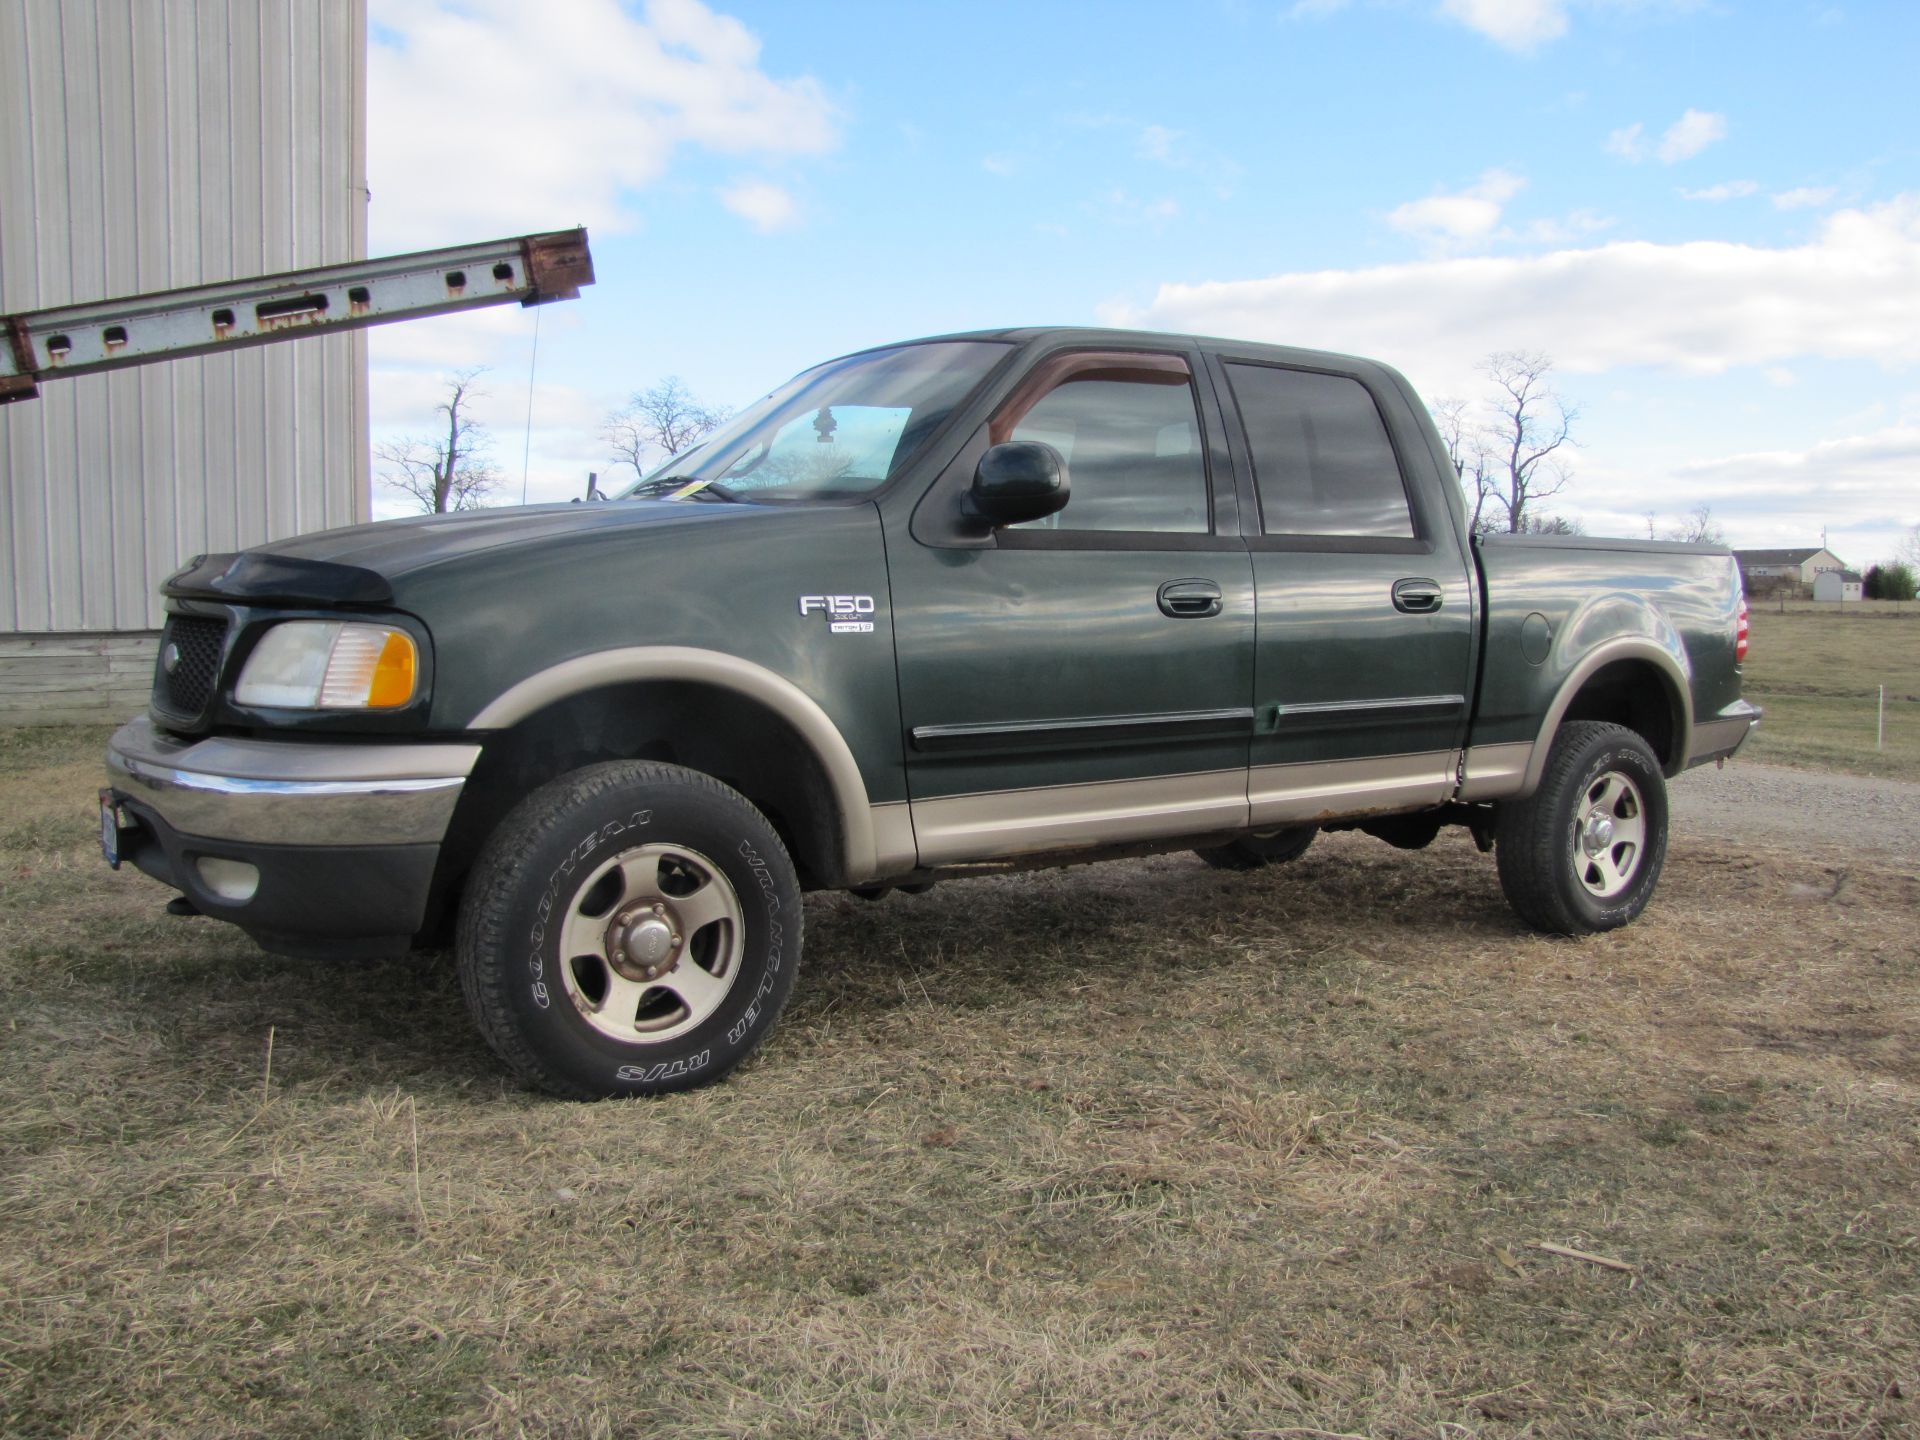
(330, 665)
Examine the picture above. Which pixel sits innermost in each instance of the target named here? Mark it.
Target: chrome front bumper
(282, 792)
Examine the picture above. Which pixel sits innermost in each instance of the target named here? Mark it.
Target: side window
(1322, 463)
(1132, 447)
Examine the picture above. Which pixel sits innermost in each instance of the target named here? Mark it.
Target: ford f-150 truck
(997, 599)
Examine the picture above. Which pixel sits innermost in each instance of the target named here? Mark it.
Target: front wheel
(630, 929)
(1583, 853)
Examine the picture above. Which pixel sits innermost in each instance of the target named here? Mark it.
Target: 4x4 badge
(846, 614)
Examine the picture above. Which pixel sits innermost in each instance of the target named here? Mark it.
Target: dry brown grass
(1131, 1149)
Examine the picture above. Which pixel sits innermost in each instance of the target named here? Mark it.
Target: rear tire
(1583, 853)
(629, 929)
(1255, 852)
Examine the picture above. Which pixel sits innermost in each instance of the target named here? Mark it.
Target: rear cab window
(1323, 465)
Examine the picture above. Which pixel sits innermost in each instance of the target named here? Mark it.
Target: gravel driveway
(1765, 803)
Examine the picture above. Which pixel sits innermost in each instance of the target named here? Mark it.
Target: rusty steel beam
(204, 319)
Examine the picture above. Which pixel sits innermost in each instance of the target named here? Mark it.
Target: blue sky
(1708, 214)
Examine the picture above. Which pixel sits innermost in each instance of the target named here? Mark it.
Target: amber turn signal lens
(394, 673)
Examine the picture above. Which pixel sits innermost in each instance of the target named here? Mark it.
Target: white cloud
(493, 116)
(1690, 134)
(1686, 137)
(1726, 190)
(1628, 142)
(1520, 25)
(1857, 488)
(1803, 197)
(1123, 207)
(1567, 229)
(998, 165)
(1860, 485)
(1780, 377)
(761, 204)
(1315, 9)
(1703, 307)
(1157, 144)
(1465, 217)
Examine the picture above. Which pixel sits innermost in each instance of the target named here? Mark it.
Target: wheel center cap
(643, 946)
(1598, 832)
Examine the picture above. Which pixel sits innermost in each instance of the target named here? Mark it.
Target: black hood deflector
(261, 576)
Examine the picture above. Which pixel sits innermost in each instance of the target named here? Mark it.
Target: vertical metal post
(1880, 722)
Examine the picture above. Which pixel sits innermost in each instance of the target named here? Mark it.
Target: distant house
(1838, 585)
(1765, 569)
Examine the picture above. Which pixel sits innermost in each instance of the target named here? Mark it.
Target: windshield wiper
(658, 486)
(663, 486)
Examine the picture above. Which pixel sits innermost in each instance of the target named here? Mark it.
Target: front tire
(1583, 853)
(629, 929)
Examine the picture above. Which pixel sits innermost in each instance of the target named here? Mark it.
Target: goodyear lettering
(543, 912)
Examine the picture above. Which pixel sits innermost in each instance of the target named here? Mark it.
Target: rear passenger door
(1364, 636)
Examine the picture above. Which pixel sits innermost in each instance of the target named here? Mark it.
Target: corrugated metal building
(147, 144)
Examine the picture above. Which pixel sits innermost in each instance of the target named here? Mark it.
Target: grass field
(1135, 1149)
(1814, 670)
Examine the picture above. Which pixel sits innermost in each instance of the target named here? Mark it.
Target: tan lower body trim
(1495, 772)
(1337, 789)
(892, 841)
(1065, 817)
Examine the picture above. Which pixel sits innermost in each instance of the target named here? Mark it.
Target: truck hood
(357, 565)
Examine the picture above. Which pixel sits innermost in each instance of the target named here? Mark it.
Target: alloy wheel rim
(651, 943)
(1609, 835)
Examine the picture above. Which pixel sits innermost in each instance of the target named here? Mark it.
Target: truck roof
(1094, 334)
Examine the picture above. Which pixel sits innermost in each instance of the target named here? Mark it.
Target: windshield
(835, 432)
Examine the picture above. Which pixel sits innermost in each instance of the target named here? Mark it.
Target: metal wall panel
(146, 144)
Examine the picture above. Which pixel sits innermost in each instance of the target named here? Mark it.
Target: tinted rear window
(1322, 462)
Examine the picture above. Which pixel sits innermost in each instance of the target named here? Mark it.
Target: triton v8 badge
(846, 614)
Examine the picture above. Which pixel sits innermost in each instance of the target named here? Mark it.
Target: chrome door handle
(1189, 599)
(1417, 596)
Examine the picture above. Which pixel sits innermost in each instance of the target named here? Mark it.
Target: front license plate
(109, 829)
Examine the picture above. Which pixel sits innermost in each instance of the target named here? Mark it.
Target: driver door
(1087, 678)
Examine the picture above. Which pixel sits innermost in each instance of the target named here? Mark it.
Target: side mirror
(1015, 481)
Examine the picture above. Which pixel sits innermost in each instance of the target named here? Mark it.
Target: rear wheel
(1252, 852)
(630, 929)
(1583, 853)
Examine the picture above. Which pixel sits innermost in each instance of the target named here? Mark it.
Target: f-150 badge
(846, 614)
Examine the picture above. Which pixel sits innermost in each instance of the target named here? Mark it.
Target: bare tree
(449, 472)
(1466, 445)
(659, 422)
(1696, 527)
(1910, 547)
(1531, 426)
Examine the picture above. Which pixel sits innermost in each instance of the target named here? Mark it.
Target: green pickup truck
(993, 600)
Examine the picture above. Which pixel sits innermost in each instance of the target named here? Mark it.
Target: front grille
(189, 662)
